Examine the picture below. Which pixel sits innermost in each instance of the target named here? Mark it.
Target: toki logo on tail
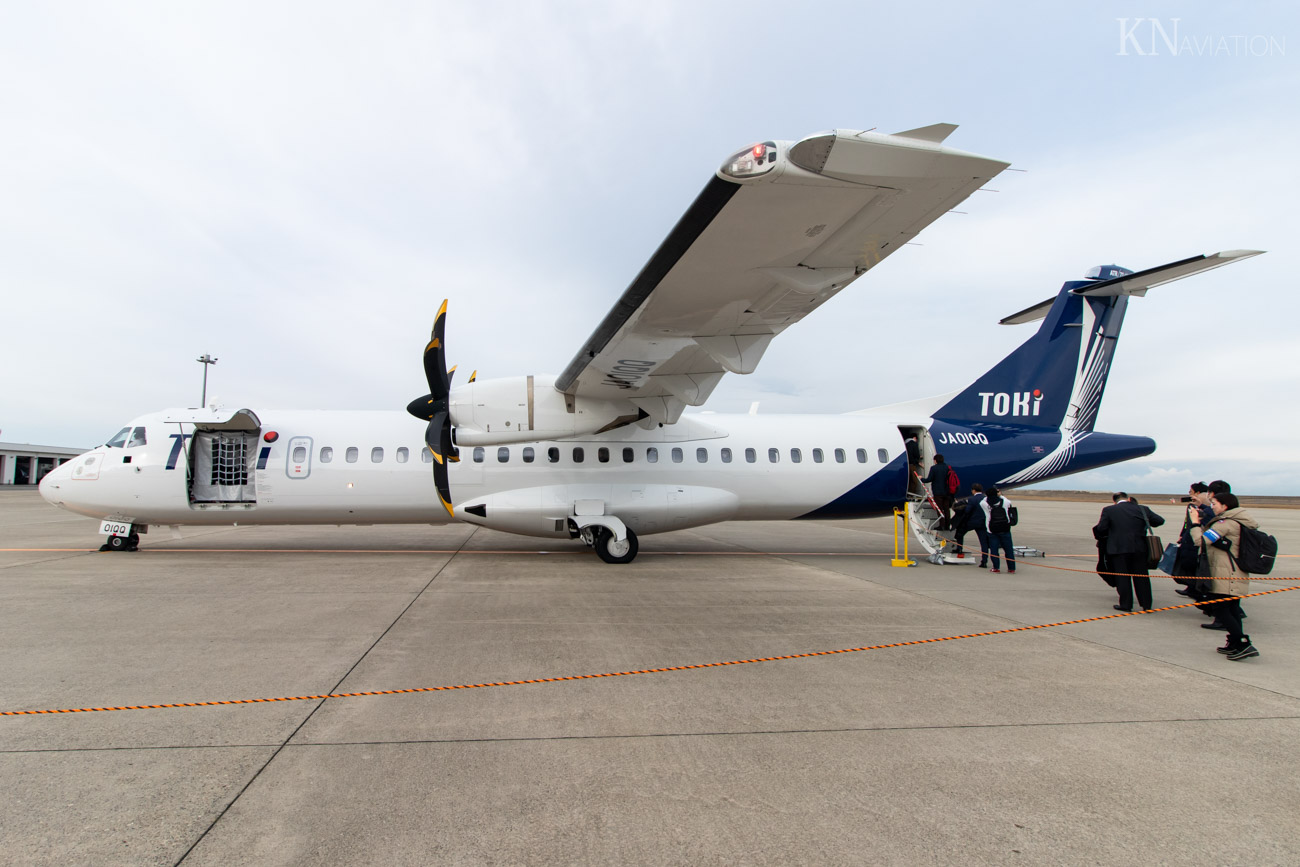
(1014, 403)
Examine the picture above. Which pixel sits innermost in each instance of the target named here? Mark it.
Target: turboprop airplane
(604, 451)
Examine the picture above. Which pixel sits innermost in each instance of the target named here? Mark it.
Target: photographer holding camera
(1218, 540)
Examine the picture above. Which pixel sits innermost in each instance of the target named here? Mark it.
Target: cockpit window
(137, 438)
(119, 438)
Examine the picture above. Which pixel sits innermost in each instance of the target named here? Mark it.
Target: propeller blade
(435, 357)
(438, 438)
(433, 435)
(434, 408)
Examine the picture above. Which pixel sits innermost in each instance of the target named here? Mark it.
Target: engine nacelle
(644, 509)
(519, 409)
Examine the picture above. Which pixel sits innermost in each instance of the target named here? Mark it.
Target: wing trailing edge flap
(1137, 283)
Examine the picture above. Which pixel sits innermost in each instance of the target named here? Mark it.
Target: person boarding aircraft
(604, 451)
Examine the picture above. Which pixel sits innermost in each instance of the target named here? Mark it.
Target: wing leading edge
(781, 228)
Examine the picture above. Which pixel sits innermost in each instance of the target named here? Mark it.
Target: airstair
(924, 517)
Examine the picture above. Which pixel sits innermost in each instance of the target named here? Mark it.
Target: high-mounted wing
(781, 228)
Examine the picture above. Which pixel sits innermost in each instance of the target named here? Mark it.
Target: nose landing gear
(130, 542)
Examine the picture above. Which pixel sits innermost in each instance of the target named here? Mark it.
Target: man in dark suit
(1123, 525)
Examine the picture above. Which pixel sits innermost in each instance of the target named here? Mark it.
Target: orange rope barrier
(574, 677)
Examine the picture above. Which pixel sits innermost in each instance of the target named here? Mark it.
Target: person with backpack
(944, 485)
(999, 516)
(1124, 525)
(1220, 546)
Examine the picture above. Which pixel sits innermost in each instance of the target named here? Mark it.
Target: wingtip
(935, 132)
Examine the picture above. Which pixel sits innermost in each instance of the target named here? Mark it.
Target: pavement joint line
(279, 749)
(666, 734)
(665, 669)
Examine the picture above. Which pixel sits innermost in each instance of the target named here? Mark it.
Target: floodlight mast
(205, 360)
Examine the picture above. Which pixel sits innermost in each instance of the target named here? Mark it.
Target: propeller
(434, 408)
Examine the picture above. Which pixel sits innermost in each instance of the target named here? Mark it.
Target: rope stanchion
(575, 677)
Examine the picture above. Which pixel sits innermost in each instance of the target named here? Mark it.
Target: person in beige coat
(1220, 539)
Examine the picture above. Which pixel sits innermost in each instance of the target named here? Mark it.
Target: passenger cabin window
(119, 438)
(503, 454)
(351, 454)
(403, 455)
(862, 456)
(629, 455)
(137, 438)
(652, 455)
(478, 454)
(773, 455)
(299, 454)
(426, 455)
(702, 455)
(840, 457)
(376, 455)
(677, 455)
(796, 456)
(726, 456)
(326, 454)
(602, 455)
(552, 455)
(883, 455)
(528, 454)
(579, 455)
(750, 456)
(818, 457)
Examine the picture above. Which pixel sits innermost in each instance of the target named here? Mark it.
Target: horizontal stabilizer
(1030, 314)
(1137, 283)
(934, 133)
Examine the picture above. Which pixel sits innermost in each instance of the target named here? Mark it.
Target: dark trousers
(1003, 539)
(944, 502)
(984, 542)
(1134, 577)
(1228, 613)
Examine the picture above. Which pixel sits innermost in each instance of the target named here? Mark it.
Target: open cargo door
(222, 455)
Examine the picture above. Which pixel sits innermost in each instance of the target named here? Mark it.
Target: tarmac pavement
(1120, 741)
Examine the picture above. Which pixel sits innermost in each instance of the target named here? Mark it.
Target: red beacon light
(271, 436)
(753, 161)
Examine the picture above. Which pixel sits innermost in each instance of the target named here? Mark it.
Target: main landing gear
(608, 546)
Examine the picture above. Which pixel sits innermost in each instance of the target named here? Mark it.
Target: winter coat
(1229, 580)
(1185, 565)
(988, 511)
(937, 479)
(1124, 527)
(975, 513)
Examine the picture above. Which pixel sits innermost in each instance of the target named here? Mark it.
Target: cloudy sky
(295, 187)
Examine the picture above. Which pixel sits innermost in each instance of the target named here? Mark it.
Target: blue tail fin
(1057, 377)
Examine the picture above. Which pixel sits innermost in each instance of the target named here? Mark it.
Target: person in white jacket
(997, 518)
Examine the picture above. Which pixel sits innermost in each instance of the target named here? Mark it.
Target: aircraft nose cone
(51, 487)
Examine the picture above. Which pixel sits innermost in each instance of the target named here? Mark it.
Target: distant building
(24, 464)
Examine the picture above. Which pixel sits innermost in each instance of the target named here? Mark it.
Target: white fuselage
(334, 467)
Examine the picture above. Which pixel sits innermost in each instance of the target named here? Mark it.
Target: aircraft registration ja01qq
(603, 451)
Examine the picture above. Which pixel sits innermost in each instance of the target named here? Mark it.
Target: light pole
(205, 360)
